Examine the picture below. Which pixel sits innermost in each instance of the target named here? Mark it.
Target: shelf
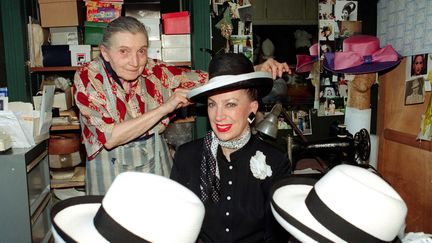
(407, 139)
(77, 180)
(65, 127)
(54, 69)
(74, 68)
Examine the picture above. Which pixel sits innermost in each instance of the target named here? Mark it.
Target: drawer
(38, 183)
(41, 222)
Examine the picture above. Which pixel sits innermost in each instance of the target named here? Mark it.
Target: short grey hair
(122, 24)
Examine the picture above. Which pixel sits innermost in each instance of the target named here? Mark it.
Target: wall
(404, 162)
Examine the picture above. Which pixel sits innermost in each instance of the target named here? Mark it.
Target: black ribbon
(113, 231)
(333, 222)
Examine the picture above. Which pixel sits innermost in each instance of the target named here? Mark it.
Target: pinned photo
(327, 30)
(346, 10)
(414, 91)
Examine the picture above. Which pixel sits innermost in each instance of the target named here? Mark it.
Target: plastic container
(176, 23)
(93, 32)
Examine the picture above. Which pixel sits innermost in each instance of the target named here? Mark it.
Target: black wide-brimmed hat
(231, 71)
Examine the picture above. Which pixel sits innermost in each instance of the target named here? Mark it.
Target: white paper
(46, 108)
(10, 123)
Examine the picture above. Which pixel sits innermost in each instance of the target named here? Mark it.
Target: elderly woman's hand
(177, 100)
(274, 67)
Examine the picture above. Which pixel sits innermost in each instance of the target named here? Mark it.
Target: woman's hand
(177, 100)
(274, 67)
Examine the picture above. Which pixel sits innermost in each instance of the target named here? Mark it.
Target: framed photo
(302, 119)
(3, 103)
(414, 91)
(418, 64)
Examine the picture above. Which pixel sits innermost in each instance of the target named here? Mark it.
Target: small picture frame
(3, 103)
(302, 119)
(414, 91)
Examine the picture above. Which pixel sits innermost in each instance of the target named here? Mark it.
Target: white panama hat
(138, 207)
(348, 204)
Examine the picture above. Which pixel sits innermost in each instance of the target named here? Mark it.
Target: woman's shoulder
(194, 145)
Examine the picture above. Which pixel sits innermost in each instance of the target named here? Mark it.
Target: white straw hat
(348, 204)
(138, 207)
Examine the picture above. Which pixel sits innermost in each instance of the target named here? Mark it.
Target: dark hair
(349, 7)
(122, 24)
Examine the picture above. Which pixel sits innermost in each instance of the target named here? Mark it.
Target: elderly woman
(230, 169)
(124, 101)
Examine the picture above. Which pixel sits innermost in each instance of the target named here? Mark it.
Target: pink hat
(361, 54)
(305, 62)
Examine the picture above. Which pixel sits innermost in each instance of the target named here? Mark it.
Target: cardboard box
(102, 11)
(80, 54)
(58, 13)
(63, 100)
(176, 54)
(169, 41)
(176, 23)
(64, 36)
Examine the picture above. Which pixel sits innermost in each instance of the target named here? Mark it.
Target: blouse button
(230, 167)
(229, 198)
(229, 182)
(227, 213)
(227, 229)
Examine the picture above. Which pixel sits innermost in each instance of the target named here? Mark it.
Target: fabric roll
(356, 119)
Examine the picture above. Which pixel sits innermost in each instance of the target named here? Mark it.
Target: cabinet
(25, 195)
(285, 12)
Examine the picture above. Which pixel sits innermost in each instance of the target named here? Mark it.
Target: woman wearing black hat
(230, 169)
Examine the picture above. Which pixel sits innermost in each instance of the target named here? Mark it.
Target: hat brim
(305, 63)
(361, 69)
(72, 219)
(289, 209)
(262, 81)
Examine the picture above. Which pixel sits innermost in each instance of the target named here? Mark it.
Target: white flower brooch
(260, 169)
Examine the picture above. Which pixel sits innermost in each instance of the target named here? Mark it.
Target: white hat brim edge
(226, 80)
(296, 208)
(77, 222)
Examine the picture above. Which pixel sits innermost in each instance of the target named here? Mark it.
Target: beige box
(155, 49)
(63, 100)
(64, 36)
(59, 13)
(176, 54)
(153, 27)
(169, 41)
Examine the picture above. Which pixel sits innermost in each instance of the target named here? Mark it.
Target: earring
(251, 117)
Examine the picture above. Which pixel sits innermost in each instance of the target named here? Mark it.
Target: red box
(176, 23)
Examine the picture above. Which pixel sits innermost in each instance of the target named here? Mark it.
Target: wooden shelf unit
(74, 68)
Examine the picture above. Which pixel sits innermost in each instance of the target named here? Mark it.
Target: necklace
(236, 143)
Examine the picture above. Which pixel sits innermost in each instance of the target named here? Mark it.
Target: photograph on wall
(242, 44)
(346, 10)
(326, 11)
(414, 91)
(302, 119)
(326, 46)
(327, 30)
(417, 65)
(349, 28)
(333, 94)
